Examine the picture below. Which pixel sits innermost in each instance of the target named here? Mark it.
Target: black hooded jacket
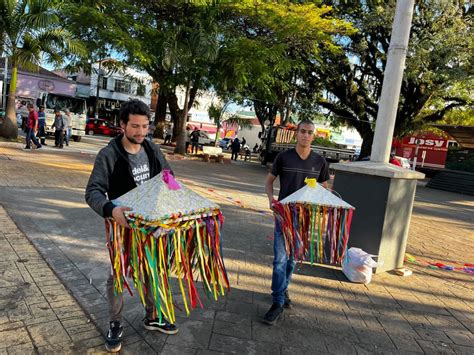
(112, 176)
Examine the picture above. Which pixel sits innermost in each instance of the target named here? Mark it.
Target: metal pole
(96, 108)
(392, 81)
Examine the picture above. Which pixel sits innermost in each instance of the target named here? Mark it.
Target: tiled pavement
(429, 312)
(37, 313)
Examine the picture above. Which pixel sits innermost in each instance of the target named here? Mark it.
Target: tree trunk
(9, 128)
(367, 140)
(175, 111)
(160, 114)
(181, 125)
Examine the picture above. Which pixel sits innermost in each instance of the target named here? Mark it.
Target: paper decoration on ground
(452, 266)
(315, 224)
(173, 231)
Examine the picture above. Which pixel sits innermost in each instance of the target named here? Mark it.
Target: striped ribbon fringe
(150, 253)
(315, 233)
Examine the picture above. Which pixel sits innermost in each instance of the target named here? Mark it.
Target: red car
(100, 126)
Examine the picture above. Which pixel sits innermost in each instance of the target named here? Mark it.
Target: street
(431, 311)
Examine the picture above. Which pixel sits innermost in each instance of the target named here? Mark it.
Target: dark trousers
(234, 155)
(41, 133)
(187, 146)
(58, 138)
(31, 136)
(195, 145)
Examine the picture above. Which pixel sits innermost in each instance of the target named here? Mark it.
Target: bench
(211, 152)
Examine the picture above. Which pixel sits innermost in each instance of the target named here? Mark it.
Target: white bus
(50, 101)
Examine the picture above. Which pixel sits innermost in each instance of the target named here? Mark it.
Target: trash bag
(357, 265)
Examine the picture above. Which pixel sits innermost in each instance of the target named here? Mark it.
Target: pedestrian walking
(292, 166)
(235, 146)
(68, 131)
(32, 127)
(42, 125)
(59, 126)
(126, 162)
(194, 140)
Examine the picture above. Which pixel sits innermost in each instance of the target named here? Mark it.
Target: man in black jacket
(126, 162)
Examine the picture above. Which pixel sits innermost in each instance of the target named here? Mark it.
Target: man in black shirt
(293, 166)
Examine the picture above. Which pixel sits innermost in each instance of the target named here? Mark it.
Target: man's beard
(131, 139)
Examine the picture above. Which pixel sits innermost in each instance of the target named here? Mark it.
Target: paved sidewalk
(37, 313)
(429, 312)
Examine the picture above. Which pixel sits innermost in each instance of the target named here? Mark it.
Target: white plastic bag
(357, 266)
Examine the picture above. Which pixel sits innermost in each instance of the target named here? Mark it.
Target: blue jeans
(283, 267)
(31, 136)
(68, 134)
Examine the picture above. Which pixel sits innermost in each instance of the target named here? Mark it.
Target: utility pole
(392, 82)
(96, 108)
(382, 193)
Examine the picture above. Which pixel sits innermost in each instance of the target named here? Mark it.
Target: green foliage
(438, 73)
(31, 32)
(266, 51)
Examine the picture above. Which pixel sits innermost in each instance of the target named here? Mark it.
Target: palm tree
(31, 32)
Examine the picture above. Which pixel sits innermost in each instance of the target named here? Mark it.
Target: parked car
(404, 162)
(204, 139)
(100, 126)
(225, 143)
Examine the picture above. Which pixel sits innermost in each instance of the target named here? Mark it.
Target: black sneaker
(164, 326)
(113, 340)
(273, 314)
(288, 303)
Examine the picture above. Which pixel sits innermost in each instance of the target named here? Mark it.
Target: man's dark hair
(304, 121)
(133, 107)
(30, 105)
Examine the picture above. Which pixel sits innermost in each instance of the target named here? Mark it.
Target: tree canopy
(31, 32)
(438, 74)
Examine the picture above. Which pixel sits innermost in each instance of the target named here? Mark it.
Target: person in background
(168, 136)
(151, 131)
(31, 128)
(235, 146)
(42, 125)
(59, 126)
(255, 149)
(68, 131)
(244, 142)
(194, 140)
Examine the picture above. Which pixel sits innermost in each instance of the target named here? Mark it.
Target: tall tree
(175, 42)
(268, 48)
(31, 32)
(438, 72)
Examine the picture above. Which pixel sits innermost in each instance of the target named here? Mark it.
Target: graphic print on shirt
(141, 173)
(140, 166)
